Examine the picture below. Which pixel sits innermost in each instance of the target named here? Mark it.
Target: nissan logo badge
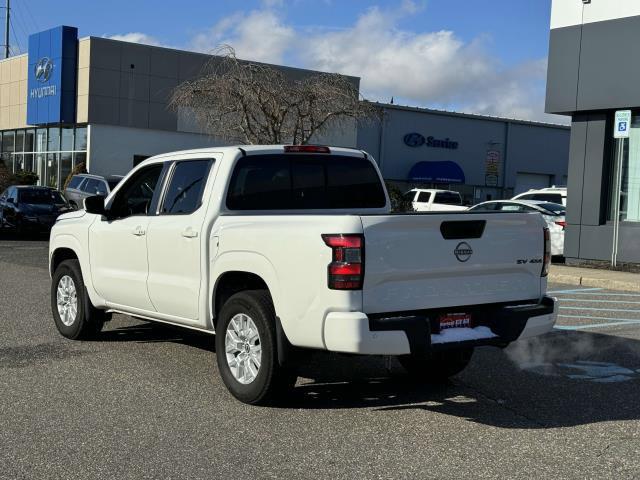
(463, 252)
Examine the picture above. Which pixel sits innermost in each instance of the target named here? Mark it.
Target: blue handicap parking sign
(622, 127)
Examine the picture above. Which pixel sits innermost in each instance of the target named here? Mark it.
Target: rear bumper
(499, 325)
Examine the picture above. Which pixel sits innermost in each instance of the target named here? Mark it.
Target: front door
(118, 246)
(176, 240)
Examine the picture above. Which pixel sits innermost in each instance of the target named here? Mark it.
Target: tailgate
(415, 262)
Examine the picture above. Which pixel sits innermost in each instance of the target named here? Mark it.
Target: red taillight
(306, 149)
(546, 263)
(346, 271)
(562, 223)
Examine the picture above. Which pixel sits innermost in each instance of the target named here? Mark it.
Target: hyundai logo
(463, 252)
(414, 140)
(43, 69)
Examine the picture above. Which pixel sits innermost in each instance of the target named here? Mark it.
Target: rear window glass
(448, 198)
(298, 182)
(184, 194)
(75, 181)
(543, 197)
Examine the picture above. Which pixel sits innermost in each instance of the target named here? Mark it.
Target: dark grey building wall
(589, 155)
(594, 66)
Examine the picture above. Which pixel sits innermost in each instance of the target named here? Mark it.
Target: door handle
(189, 233)
(138, 231)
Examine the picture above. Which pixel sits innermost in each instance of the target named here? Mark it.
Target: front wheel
(438, 366)
(74, 315)
(246, 349)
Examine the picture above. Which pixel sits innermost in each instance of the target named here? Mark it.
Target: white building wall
(111, 148)
(567, 13)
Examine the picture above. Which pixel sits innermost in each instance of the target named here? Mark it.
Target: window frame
(154, 199)
(169, 171)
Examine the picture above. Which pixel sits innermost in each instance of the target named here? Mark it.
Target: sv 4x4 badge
(533, 260)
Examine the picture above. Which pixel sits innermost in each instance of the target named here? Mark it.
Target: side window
(529, 196)
(423, 197)
(13, 194)
(448, 198)
(184, 194)
(90, 186)
(135, 196)
(75, 182)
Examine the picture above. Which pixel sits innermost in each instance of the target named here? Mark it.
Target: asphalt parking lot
(145, 401)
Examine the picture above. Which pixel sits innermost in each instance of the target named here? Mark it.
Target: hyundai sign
(51, 86)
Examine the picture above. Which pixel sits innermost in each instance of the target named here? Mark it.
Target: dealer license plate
(455, 320)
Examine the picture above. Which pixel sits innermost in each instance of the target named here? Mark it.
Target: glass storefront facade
(50, 152)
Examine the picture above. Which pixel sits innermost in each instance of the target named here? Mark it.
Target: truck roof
(249, 149)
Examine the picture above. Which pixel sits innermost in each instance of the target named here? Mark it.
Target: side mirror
(11, 200)
(95, 205)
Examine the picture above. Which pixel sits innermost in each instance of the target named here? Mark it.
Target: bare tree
(254, 103)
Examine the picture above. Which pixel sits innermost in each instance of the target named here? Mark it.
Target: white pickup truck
(281, 248)
(432, 200)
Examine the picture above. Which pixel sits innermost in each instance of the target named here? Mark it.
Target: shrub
(23, 177)
(399, 203)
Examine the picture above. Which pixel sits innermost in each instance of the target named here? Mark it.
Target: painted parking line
(593, 309)
(576, 290)
(590, 300)
(601, 294)
(589, 317)
(597, 325)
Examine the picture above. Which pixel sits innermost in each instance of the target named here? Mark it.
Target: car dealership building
(593, 65)
(105, 102)
(481, 157)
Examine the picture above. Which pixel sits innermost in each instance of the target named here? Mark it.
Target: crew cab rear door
(176, 239)
(415, 262)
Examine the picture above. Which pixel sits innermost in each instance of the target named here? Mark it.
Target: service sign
(622, 124)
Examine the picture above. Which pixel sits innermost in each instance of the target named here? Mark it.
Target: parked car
(551, 195)
(85, 185)
(432, 200)
(281, 248)
(30, 209)
(553, 214)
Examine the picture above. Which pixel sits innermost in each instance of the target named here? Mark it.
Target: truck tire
(437, 367)
(74, 315)
(246, 349)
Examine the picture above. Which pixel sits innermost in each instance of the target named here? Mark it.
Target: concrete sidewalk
(591, 277)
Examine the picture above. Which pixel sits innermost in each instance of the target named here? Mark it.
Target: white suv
(552, 194)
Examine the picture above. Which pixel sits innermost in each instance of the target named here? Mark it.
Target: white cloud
(435, 69)
(136, 37)
(259, 35)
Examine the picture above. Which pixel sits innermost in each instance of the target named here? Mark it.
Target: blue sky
(485, 57)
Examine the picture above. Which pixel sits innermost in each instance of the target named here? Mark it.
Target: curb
(607, 283)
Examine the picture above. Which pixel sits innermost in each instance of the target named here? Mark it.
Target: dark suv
(86, 185)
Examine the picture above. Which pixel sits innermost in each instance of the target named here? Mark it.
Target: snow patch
(462, 335)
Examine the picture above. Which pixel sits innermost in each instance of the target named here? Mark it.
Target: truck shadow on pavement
(150, 332)
(560, 380)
